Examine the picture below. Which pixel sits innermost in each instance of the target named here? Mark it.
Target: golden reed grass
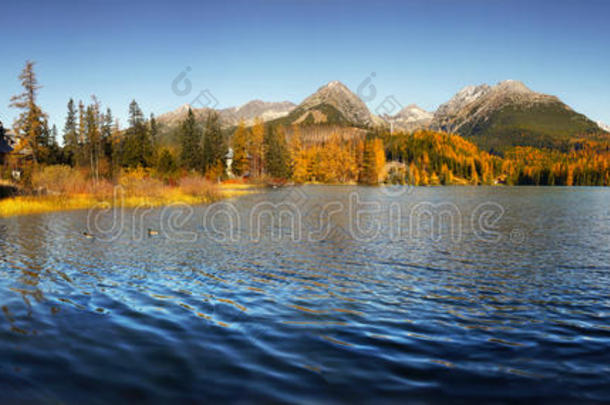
(62, 188)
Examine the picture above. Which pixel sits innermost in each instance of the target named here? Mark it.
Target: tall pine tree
(154, 131)
(214, 147)
(277, 158)
(81, 156)
(54, 155)
(137, 148)
(70, 135)
(190, 139)
(29, 126)
(107, 123)
(93, 138)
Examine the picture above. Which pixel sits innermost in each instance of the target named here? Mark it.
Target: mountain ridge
(231, 116)
(333, 103)
(510, 114)
(410, 118)
(495, 117)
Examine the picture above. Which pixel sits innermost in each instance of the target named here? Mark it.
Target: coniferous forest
(95, 145)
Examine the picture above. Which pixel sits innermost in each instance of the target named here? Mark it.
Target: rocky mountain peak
(463, 97)
(516, 92)
(258, 108)
(260, 105)
(410, 118)
(514, 86)
(335, 83)
(495, 114)
(333, 90)
(413, 110)
(233, 115)
(341, 98)
(251, 103)
(184, 107)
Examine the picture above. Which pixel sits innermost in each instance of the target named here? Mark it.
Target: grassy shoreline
(28, 205)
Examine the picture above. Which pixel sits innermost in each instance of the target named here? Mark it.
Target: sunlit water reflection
(511, 300)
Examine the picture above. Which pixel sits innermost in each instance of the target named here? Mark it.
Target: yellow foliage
(256, 147)
(137, 188)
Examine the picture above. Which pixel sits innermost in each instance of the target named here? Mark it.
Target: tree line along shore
(97, 155)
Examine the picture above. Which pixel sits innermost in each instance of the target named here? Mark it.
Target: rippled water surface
(430, 294)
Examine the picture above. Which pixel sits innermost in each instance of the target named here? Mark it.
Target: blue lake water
(313, 294)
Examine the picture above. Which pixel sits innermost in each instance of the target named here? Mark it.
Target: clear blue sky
(421, 51)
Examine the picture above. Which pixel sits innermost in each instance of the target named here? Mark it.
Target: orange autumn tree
(441, 158)
(298, 157)
(241, 146)
(256, 147)
(373, 162)
(328, 159)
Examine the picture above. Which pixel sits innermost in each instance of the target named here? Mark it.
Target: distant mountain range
(494, 117)
(410, 118)
(510, 114)
(231, 116)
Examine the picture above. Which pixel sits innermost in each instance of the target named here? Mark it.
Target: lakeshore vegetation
(97, 154)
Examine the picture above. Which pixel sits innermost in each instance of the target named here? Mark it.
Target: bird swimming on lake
(152, 232)
(88, 235)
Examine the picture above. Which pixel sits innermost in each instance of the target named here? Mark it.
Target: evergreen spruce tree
(93, 136)
(190, 140)
(107, 123)
(166, 164)
(43, 143)
(214, 146)
(54, 149)
(116, 147)
(276, 153)
(137, 148)
(154, 130)
(81, 156)
(70, 135)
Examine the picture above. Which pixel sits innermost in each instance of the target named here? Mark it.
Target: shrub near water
(139, 182)
(69, 188)
(196, 185)
(61, 179)
(141, 185)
